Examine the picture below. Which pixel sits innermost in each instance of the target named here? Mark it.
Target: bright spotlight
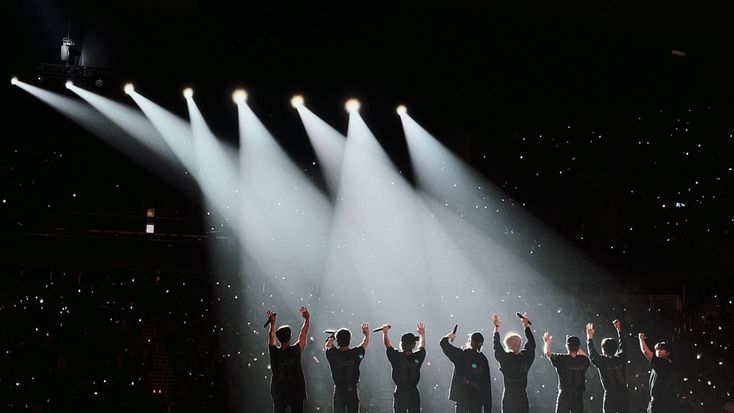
(13, 80)
(239, 96)
(402, 110)
(188, 93)
(352, 105)
(297, 101)
(129, 88)
(69, 84)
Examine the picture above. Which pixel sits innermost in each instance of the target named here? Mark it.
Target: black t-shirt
(661, 381)
(287, 382)
(345, 366)
(571, 372)
(613, 370)
(515, 367)
(406, 368)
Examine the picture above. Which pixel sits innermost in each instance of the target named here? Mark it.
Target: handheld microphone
(330, 332)
(456, 326)
(377, 330)
(520, 316)
(268, 322)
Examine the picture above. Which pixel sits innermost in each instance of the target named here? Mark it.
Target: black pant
(346, 401)
(279, 406)
(407, 400)
(616, 402)
(463, 407)
(515, 401)
(572, 402)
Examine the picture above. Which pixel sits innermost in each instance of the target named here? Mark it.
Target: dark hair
(283, 333)
(408, 341)
(609, 346)
(573, 343)
(343, 336)
(477, 338)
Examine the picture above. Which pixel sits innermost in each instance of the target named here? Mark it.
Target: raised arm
(530, 343)
(644, 348)
(385, 338)
(366, 340)
(303, 336)
(329, 342)
(272, 340)
(593, 354)
(547, 343)
(622, 349)
(499, 351)
(449, 350)
(422, 332)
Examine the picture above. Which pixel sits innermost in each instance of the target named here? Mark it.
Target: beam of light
(175, 131)
(293, 215)
(540, 254)
(131, 121)
(328, 145)
(111, 132)
(216, 166)
(352, 105)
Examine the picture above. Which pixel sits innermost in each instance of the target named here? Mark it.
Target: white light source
(352, 105)
(13, 80)
(297, 101)
(188, 93)
(129, 88)
(239, 96)
(69, 84)
(402, 110)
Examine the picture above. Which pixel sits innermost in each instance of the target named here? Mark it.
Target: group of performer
(471, 388)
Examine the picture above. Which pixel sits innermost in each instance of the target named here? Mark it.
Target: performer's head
(609, 346)
(343, 337)
(283, 333)
(662, 350)
(408, 342)
(476, 341)
(513, 342)
(573, 344)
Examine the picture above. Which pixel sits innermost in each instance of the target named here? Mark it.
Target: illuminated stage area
(440, 169)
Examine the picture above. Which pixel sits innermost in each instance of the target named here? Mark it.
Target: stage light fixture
(239, 96)
(352, 105)
(188, 93)
(69, 84)
(297, 101)
(13, 80)
(129, 88)
(402, 110)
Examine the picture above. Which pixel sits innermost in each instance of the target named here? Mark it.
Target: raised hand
(617, 325)
(642, 336)
(421, 329)
(547, 338)
(525, 322)
(271, 316)
(365, 329)
(497, 321)
(385, 327)
(590, 331)
(305, 314)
